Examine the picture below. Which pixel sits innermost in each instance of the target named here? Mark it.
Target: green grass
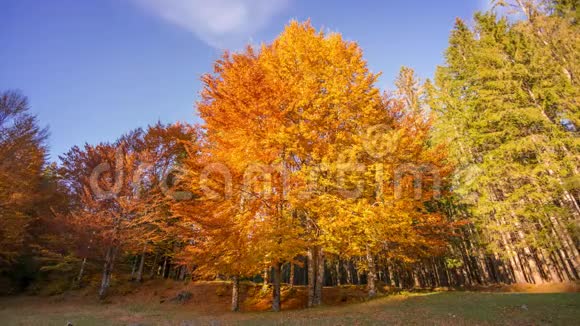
(455, 308)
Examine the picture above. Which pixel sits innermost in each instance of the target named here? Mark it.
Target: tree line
(305, 172)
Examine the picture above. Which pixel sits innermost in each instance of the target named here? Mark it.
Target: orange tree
(289, 124)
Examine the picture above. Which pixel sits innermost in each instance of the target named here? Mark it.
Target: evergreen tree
(507, 102)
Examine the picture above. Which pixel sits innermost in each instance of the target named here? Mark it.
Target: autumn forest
(304, 173)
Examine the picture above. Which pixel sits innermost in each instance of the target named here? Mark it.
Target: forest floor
(155, 304)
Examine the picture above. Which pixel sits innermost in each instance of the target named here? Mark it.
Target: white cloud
(219, 23)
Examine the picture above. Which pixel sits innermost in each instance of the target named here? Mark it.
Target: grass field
(446, 308)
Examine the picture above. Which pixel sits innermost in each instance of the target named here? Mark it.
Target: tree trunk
(319, 278)
(390, 275)
(535, 272)
(141, 265)
(236, 294)
(153, 267)
(164, 268)
(183, 273)
(107, 271)
(266, 277)
(416, 282)
(134, 268)
(372, 274)
(567, 244)
(276, 295)
(311, 275)
(83, 264)
(81, 272)
(550, 266)
(348, 272)
(291, 280)
(338, 281)
(514, 259)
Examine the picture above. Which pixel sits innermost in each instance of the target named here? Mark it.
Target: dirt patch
(215, 296)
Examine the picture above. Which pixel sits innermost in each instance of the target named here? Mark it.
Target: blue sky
(95, 69)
